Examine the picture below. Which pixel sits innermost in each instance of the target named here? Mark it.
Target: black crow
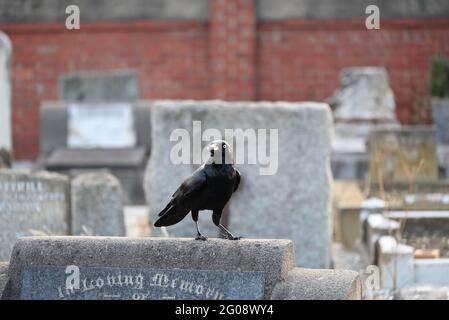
(209, 188)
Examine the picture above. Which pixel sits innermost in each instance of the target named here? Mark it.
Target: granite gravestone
(97, 205)
(290, 202)
(150, 268)
(167, 268)
(30, 204)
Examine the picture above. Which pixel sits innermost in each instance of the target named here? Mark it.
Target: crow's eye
(224, 146)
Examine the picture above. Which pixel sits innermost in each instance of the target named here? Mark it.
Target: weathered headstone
(5, 97)
(292, 203)
(157, 268)
(363, 103)
(406, 155)
(97, 205)
(365, 94)
(30, 204)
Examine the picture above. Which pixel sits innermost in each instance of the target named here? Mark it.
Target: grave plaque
(101, 125)
(95, 283)
(31, 204)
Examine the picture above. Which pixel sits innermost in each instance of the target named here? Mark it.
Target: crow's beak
(212, 146)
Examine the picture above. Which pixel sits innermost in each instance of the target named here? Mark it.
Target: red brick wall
(301, 60)
(232, 49)
(171, 60)
(232, 57)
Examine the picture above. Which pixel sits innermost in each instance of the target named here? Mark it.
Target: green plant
(439, 78)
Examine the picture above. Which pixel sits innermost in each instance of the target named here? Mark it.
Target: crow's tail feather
(170, 217)
(166, 209)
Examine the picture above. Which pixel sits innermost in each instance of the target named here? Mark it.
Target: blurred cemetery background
(364, 171)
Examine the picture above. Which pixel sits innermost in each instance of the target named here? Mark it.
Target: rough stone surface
(97, 205)
(5, 92)
(275, 258)
(364, 94)
(32, 204)
(294, 203)
(3, 275)
(311, 284)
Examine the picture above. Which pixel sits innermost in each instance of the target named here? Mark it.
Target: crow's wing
(237, 180)
(190, 187)
(179, 205)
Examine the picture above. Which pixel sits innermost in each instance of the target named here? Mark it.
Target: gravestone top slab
(257, 264)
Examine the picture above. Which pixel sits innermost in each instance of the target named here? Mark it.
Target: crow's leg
(199, 236)
(216, 216)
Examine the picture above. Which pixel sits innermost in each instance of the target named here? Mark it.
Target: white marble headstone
(101, 125)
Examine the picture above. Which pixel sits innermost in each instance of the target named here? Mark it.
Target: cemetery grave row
(44, 203)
